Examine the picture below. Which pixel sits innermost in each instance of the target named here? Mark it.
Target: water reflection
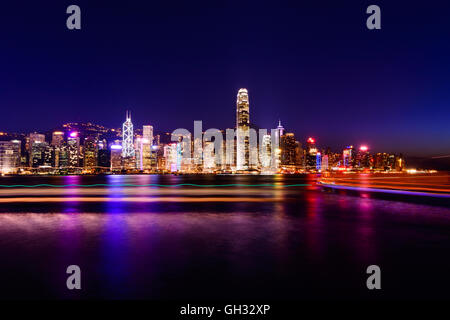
(209, 243)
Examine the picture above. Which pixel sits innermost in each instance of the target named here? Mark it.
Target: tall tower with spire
(280, 128)
(127, 137)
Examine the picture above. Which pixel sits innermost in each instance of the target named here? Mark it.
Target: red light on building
(363, 148)
(311, 140)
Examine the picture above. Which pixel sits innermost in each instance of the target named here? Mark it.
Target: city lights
(91, 148)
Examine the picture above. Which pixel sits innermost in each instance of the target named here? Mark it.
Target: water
(217, 243)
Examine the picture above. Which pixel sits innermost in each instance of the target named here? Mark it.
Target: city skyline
(188, 69)
(90, 149)
(225, 158)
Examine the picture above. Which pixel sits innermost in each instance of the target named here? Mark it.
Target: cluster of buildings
(79, 148)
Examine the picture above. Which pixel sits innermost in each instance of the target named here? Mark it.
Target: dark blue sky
(313, 64)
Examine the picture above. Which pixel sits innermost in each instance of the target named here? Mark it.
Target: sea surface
(209, 243)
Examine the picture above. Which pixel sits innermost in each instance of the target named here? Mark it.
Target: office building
(242, 130)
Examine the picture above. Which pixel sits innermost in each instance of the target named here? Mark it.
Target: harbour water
(233, 242)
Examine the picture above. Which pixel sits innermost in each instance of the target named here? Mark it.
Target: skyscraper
(318, 161)
(348, 156)
(242, 130)
(266, 151)
(146, 147)
(40, 154)
(363, 159)
(116, 158)
(324, 163)
(311, 154)
(280, 129)
(73, 144)
(90, 152)
(127, 137)
(288, 149)
(57, 138)
(30, 140)
(9, 156)
(147, 134)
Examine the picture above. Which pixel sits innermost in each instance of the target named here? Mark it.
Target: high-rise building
(208, 157)
(348, 156)
(49, 156)
(147, 134)
(171, 157)
(62, 157)
(116, 157)
(280, 129)
(363, 159)
(73, 146)
(104, 158)
(90, 152)
(40, 155)
(276, 145)
(9, 156)
(36, 137)
(325, 162)
(318, 161)
(57, 139)
(265, 155)
(127, 137)
(30, 140)
(311, 154)
(146, 148)
(288, 149)
(242, 130)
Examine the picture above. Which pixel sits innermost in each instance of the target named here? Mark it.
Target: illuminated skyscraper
(90, 152)
(146, 147)
(73, 144)
(318, 161)
(127, 137)
(348, 156)
(363, 159)
(280, 129)
(138, 145)
(311, 154)
(325, 163)
(208, 157)
(40, 154)
(242, 130)
(171, 156)
(147, 134)
(57, 139)
(30, 140)
(288, 149)
(116, 157)
(265, 155)
(36, 137)
(9, 156)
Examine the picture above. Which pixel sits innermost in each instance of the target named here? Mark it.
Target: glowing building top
(242, 109)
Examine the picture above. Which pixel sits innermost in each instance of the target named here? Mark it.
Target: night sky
(312, 64)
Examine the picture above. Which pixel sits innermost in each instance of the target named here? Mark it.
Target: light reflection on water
(299, 242)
